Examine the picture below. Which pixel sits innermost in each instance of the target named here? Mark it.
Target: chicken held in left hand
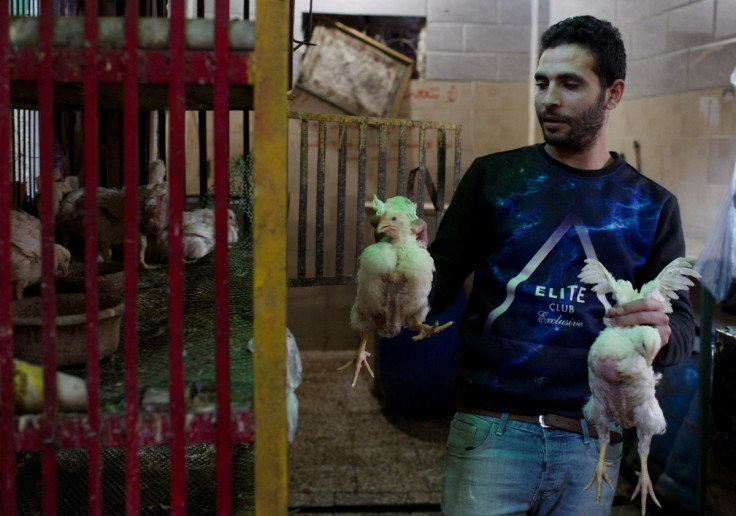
(394, 281)
(622, 380)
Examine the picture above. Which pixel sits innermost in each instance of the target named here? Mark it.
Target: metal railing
(349, 177)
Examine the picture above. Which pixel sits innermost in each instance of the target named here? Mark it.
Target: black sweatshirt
(524, 223)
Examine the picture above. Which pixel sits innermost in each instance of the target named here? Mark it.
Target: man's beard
(582, 131)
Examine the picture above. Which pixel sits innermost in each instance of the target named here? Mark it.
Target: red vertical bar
(48, 286)
(222, 306)
(176, 260)
(7, 441)
(90, 257)
(130, 173)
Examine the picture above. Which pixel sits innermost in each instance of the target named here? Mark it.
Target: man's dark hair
(598, 37)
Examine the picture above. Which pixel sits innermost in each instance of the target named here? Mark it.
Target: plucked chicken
(394, 280)
(622, 380)
(25, 252)
(198, 235)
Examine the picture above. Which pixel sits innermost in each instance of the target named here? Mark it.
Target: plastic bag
(717, 261)
(293, 379)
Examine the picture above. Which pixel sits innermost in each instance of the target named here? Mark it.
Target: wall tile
(513, 68)
(461, 66)
(445, 36)
(629, 11)
(666, 74)
(691, 25)
(725, 19)
(648, 37)
(544, 15)
(711, 67)
(452, 96)
(636, 79)
(722, 159)
(514, 12)
(660, 6)
(488, 96)
(508, 98)
(476, 11)
(604, 9)
(728, 115)
(484, 38)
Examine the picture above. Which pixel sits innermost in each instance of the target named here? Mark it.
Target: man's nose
(551, 97)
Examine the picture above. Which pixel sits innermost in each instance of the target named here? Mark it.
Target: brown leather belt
(545, 421)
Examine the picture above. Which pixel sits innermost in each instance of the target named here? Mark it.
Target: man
(523, 222)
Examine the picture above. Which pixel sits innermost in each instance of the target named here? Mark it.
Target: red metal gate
(110, 63)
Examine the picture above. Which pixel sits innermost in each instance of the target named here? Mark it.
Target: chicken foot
(645, 484)
(142, 244)
(600, 473)
(360, 359)
(425, 330)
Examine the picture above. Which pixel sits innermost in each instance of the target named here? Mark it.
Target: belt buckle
(542, 423)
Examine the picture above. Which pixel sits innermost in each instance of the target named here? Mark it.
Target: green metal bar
(439, 201)
(706, 366)
(320, 223)
(382, 155)
(360, 215)
(414, 191)
(401, 170)
(303, 184)
(422, 170)
(271, 64)
(458, 156)
(341, 192)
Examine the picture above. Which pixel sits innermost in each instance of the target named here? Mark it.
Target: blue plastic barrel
(679, 482)
(417, 378)
(675, 393)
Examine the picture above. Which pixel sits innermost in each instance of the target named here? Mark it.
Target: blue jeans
(497, 466)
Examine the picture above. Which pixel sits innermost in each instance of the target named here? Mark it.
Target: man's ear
(614, 93)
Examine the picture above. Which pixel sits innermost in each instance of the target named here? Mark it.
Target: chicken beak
(383, 226)
(64, 268)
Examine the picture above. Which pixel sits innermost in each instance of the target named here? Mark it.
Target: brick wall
(673, 46)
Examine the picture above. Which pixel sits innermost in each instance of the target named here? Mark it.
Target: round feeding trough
(71, 328)
(110, 278)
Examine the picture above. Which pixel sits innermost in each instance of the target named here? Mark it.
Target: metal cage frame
(45, 73)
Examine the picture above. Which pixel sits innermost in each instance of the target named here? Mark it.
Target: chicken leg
(360, 359)
(600, 473)
(425, 330)
(645, 482)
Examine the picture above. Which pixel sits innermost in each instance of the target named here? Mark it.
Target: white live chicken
(25, 252)
(394, 280)
(198, 235)
(622, 380)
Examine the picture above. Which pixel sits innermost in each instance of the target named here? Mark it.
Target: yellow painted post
(269, 256)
